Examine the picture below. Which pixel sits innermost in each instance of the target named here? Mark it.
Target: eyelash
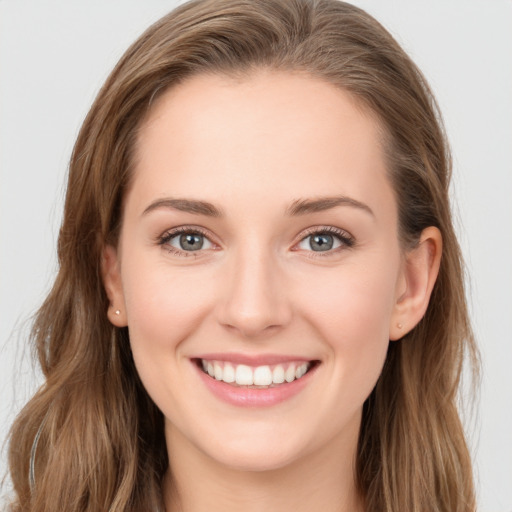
(164, 240)
(346, 240)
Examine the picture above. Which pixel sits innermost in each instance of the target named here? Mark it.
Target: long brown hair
(91, 439)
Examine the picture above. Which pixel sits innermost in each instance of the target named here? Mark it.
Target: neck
(320, 481)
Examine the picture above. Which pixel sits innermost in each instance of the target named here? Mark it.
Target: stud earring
(399, 326)
(118, 312)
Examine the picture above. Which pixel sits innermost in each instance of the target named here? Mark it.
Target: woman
(260, 301)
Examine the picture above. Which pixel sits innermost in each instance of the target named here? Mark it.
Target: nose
(254, 303)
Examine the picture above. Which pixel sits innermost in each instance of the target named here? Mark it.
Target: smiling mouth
(255, 377)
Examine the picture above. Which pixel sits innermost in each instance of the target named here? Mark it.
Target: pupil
(191, 242)
(321, 242)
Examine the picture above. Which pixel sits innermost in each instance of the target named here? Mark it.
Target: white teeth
(289, 374)
(301, 370)
(217, 368)
(262, 376)
(229, 373)
(278, 375)
(244, 375)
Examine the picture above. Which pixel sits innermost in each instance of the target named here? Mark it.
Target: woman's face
(259, 240)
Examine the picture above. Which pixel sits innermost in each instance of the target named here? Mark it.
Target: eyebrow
(185, 205)
(298, 207)
(305, 206)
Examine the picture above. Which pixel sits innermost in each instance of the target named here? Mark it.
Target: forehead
(271, 136)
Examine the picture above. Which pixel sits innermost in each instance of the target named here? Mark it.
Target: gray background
(54, 55)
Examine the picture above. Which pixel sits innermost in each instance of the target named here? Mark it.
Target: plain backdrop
(55, 54)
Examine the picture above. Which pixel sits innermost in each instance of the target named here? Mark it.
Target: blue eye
(326, 240)
(186, 241)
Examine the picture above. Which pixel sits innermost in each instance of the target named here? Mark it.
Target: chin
(255, 460)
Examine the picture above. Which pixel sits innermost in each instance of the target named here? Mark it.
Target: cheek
(351, 301)
(164, 307)
(164, 310)
(351, 311)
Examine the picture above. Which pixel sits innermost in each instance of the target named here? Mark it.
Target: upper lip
(253, 360)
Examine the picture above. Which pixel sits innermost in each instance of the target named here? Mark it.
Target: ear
(113, 286)
(419, 274)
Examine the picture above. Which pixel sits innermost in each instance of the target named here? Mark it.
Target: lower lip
(252, 397)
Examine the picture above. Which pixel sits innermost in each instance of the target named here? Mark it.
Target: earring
(118, 312)
(399, 326)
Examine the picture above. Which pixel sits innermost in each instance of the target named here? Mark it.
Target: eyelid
(169, 234)
(347, 240)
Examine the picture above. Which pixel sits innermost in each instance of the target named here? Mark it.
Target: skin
(251, 148)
